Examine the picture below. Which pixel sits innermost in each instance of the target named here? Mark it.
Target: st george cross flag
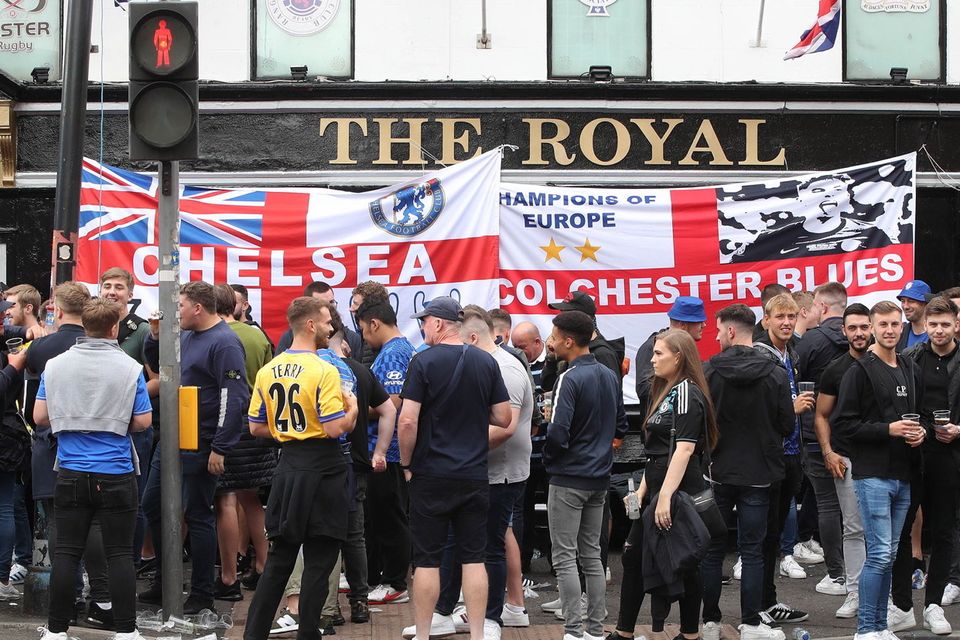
(822, 35)
(435, 235)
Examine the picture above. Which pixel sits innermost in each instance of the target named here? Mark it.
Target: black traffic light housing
(164, 69)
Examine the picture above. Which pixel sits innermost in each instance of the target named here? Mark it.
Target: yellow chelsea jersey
(295, 393)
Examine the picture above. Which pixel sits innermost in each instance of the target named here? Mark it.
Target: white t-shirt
(510, 462)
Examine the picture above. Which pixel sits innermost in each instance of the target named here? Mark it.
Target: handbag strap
(673, 443)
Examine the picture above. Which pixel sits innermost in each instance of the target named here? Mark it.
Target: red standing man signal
(162, 41)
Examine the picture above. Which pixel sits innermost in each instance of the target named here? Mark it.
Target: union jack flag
(121, 206)
(822, 35)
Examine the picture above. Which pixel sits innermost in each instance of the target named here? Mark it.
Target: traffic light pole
(171, 480)
(73, 113)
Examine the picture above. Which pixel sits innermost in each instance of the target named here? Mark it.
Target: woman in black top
(680, 401)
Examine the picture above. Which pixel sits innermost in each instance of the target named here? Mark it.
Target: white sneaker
(760, 632)
(850, 606)
(738, 568)
(933, 619)
(440, 626)
(133, 635)
(814, 546)
(513, 619)
(802, 553)
(951, 595)
(553, 605)
(9, 592)
(898, 620)
(711, 631)
(790, 569)
(872, 635)
(587, 636)
(832, 586)
(461, 624)
(491, 630)
(570, 636)
(385, 594)
(46, 634)
(886, 634)
(18, 573)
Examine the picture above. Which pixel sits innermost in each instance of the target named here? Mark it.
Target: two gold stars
(587, 251)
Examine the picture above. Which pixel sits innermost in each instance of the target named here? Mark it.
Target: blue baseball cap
(915, 290)
(444, 307)
(687, 309)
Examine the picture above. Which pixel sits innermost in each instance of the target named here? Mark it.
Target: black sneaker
(153, 594)
(782, 613)
(243, 564)
(251, 580)
(79, 612)
(195, 604)
(338, 619)
(326, 626)
(100, 618)
(147, 565)
(230, 593)
(359, 611)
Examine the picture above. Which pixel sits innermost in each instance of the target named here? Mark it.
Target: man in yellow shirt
(297, 400)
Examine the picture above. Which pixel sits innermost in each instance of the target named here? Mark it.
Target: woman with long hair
(680, 401)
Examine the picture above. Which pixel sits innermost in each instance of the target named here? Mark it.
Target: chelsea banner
(459, 231)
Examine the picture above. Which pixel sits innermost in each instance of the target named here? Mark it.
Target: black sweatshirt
(751, 394)
(870, 399)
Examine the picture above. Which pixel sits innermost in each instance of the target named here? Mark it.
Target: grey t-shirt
(510, 462)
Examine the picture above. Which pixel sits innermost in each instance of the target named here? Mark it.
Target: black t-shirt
(898, 381)
(831, 376)
(370, 393)
(452, 439)
(933, 368)
(684, 407)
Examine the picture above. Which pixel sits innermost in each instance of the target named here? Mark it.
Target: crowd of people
(342, 458)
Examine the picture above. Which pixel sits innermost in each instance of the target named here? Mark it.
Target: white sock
(512, 608)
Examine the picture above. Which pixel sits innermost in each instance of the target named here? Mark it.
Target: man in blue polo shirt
(914, 298)
(97, 397)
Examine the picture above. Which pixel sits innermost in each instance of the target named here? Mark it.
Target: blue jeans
(24, 536)
(883, 508)
(7, 527)
(198, 489)
(503, 497)
(750, 521)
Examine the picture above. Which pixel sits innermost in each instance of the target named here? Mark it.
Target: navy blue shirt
(452, 438)
(214, 361)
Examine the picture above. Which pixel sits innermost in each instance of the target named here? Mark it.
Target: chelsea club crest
(597, 8)
(409, 211)
(302, 17)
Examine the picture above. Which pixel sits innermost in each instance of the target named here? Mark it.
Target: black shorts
(436, 504)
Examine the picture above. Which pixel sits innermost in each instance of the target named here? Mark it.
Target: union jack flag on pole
(822, 35)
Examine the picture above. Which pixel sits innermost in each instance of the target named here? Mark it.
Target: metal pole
(760, 22)
(170, 477)
(73, 111)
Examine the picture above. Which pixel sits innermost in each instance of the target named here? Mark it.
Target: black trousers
(632, 591)
(387, 528)
(901, 585)
(112, 500)
(941, 498)
(319, 557)
(781, 493)
(538, 482)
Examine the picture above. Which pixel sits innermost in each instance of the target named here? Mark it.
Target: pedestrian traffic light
(164, 99)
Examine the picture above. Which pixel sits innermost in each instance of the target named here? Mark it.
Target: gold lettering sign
(599, 142)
